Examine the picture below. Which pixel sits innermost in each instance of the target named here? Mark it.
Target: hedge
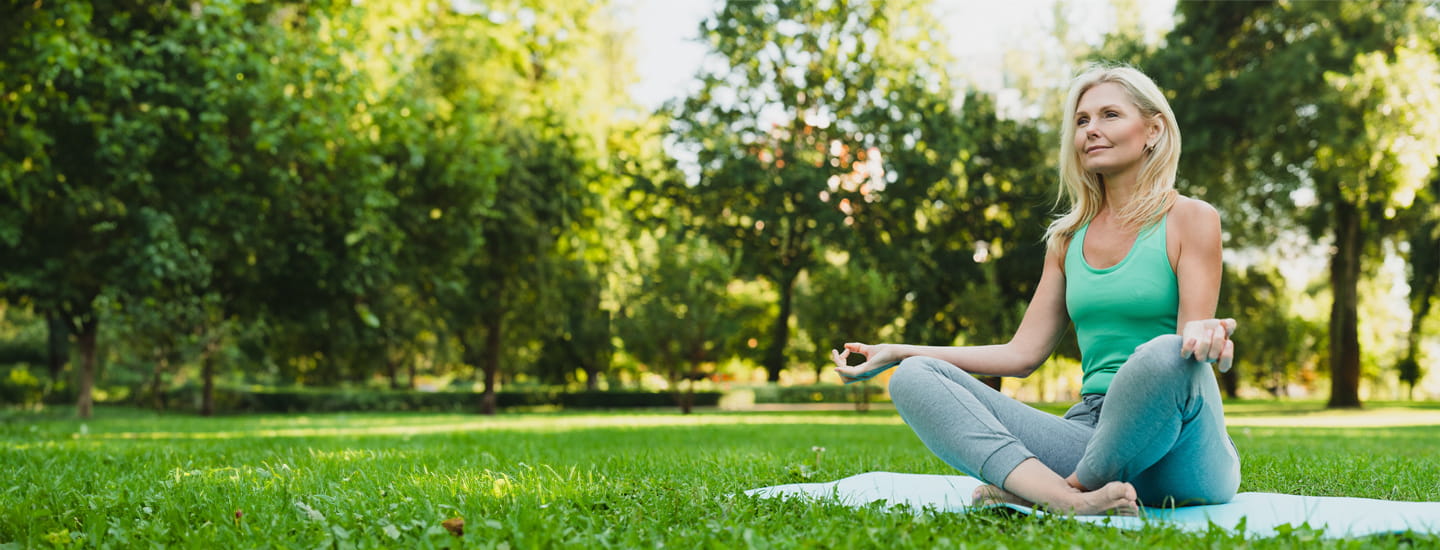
(817, 393)
(274, 400)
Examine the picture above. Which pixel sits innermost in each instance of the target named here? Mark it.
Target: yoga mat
(1256, 514)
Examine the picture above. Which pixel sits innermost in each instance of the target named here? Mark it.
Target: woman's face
(1110, 132)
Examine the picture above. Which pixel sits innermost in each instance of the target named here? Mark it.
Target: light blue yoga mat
(1256, 514)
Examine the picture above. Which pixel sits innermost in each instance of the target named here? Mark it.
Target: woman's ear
(1157, 127)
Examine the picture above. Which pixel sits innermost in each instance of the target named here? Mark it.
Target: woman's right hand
(878, 357)
(1209, 340)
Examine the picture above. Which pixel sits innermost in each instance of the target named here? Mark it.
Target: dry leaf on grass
(455, 525)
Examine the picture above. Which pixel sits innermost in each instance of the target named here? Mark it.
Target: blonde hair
(1085, 191)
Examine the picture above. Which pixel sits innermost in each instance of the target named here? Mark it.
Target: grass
(559, 480)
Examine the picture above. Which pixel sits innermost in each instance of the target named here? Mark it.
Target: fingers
(849, 374)
(1197, 344)
(1227, 357)
(1187, 349)
(1217, 343)
(1206, 340)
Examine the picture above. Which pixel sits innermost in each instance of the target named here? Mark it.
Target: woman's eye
(1082, 121)
(1112, 114)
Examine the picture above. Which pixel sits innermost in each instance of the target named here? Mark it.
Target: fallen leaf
(455, 525)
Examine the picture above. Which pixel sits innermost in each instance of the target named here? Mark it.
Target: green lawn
(132, 478)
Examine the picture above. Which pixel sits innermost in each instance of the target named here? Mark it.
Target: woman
(1137, 268)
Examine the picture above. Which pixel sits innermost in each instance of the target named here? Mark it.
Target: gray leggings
(1162, 429)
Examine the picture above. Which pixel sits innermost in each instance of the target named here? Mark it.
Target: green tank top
(1120, 307)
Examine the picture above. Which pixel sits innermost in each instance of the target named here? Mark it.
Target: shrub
(817, 393)
(315, 400)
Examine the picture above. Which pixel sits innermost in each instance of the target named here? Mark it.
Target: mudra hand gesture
(1209, 341)
(878, 358)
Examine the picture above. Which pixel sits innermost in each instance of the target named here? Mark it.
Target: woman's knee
(1163, 344)
(1161, 351)
(913, 372)
(1160, 357)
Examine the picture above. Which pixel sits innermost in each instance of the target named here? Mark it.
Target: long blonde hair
(1085, 191)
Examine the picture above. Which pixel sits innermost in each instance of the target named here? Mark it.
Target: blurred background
(232, 206)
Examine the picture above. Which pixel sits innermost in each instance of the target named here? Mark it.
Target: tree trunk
(780, 333)
(592, 378)
(683, 398)
(59, 348)
(688, 404)
(992, 381)
(84, 402)
(1344, 283)
(162, 364)
(393, 371)
(410, 380)
(207, 384)
(491, 364)
(861, 391)
(1230, 381)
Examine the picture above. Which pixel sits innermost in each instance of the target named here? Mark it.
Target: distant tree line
(328, 193)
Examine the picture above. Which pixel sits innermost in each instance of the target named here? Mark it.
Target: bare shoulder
(1195, 216)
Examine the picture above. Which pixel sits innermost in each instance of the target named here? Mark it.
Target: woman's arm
(1198, 268)
(1040, 331)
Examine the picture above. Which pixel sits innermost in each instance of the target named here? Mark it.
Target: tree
(1277, 344)
(797, 94)
(585, 341)
(680, 317)
(843, 303)
(1424, 276)
(552, 134)
(1332, 100)
(275, 178)
(78, 100)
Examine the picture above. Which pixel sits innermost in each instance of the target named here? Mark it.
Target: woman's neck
(1120, 190)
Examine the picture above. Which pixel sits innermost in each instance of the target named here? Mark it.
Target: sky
(981, 32)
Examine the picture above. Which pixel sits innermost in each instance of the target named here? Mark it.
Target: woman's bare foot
(986, 495)
(1115, 498)
(1041, 485)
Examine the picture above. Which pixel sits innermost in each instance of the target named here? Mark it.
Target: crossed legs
(1160, 440)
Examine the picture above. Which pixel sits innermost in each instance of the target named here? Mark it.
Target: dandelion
(818, 450)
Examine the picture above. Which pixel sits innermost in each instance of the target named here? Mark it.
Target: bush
(21, 384)
(317, 400)
(33, 352)
(817, 393)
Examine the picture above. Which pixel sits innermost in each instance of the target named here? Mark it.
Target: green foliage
(818, 393)
(338, 193)
(838, 304)
(248, 400)
(681, 315)
(1424, 275)
(962, 227)
(789, 127)
(1334, 100)
(352, 179)
(1280, 348)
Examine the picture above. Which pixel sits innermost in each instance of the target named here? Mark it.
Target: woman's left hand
(1209, 340)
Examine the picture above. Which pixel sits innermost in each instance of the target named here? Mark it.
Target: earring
(1149, 147)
